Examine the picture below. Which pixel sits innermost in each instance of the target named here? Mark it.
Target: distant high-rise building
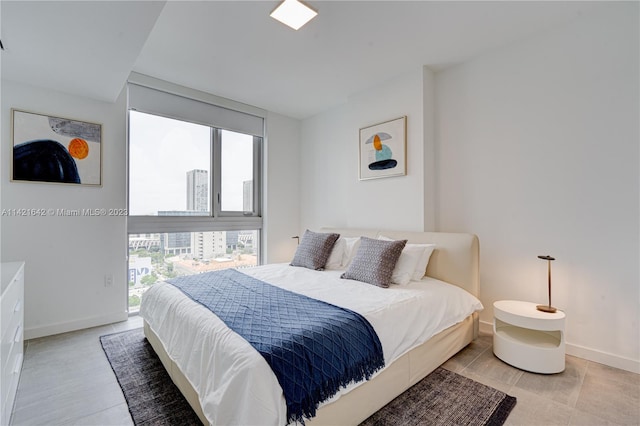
(144, 241)
(204, 245)
(232, 240)
(208, 245)
(175, 243)
(198, 190)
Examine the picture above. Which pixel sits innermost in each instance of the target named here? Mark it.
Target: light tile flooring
(66, 380)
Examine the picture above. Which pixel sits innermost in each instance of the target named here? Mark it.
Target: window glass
(170, 163)
(161, 256)
(236, 172)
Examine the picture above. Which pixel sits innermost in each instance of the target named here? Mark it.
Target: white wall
(68, 257)
(331, 194)
(538, 154)
(429, 149)
(2, 158)
(534, 148)
(282, 188)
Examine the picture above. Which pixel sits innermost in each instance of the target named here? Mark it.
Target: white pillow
(343, 252)
(350, 250)
(337, 253)
(421, 267)
(413, 261)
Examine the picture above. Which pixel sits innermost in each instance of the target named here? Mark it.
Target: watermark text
(51, 212)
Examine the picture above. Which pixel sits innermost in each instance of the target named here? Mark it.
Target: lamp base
(546, 308)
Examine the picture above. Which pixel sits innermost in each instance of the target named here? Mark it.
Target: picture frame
(383, 149)
(53, 149)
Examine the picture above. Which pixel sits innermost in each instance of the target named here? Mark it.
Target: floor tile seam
(550, 397)
(576, 411)
(604, 419)
(31, 411)
(555, 401)
(476, 357)
(61, 360)
(465, 371)
(510, 391)
(17, 409)
(605, 375)
(580, 386)
(69, 335)
(102, 378)
(60, 348)
(72, 419)
(76, 420)
(105, 378)
(520, 374)
(586, 371)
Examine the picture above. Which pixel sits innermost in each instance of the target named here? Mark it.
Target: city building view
(161, 256)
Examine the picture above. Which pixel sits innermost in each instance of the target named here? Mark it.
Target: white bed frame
(456, 261)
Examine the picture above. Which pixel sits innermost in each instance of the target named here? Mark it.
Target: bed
(239, 387)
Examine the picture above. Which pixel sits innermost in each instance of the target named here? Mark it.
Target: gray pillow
(314, 250)
(374, 261)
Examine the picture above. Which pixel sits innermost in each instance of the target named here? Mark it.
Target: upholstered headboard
(456, 258)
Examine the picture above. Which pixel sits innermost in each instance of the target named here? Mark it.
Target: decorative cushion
(314, 250)
(374, 261)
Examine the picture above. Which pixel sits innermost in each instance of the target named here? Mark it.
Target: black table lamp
(547, 308)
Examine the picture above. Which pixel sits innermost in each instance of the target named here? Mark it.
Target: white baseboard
(64, 327)
(486, 327)
(605, 358)
(594, 355)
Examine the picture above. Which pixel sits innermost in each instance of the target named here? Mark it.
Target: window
(165, 157)
(194, 185)
(237, 172)
(161, 256)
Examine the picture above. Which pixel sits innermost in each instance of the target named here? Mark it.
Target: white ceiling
(235, 50)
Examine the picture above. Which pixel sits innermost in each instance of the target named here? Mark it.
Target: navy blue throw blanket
(313, 347)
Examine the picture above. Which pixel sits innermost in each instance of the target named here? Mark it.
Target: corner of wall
(429, 134)
(281, 188)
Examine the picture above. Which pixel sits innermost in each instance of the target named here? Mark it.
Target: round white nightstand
(528, 338)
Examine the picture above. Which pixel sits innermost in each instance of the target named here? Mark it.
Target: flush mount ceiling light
(293, 13)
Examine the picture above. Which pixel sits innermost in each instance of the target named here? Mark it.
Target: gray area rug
(152, 397)
(445, 398)
(442, 398)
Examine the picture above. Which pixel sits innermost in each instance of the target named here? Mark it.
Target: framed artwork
(383, 149)
(55, 150)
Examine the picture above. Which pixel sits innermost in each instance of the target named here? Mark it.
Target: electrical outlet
(108, 280)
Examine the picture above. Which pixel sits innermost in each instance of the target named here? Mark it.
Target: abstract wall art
(383, 149)
(56, 150)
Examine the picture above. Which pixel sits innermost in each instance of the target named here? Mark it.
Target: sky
(163, 150)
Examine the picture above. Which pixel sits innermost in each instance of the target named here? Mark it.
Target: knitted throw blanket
(313, 347)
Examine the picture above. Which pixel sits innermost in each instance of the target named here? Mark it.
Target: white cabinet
(528, 338)
(12, 324)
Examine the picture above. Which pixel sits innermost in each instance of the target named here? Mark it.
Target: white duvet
(236, 385)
